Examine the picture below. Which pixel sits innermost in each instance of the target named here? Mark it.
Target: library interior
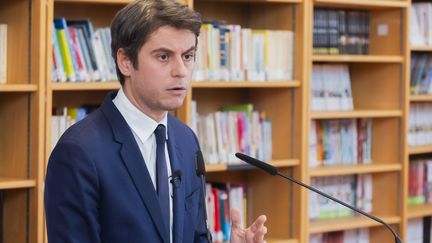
(264, 84)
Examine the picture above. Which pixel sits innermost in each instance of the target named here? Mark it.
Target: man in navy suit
(108, 176)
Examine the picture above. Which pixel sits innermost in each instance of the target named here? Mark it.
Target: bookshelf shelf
(353, 169)
(18, 88)
(246, 84)
(358, 58)
(252, 1)
(420, 98)
(242, 166)
(94, 1)
(85, 86)
(277, 240)
(355, 222)
(15, 183)
(420, 149)
(421, 48)
(356, 114)
(370, 4)
(417, 211)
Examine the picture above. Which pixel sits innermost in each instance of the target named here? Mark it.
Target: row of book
(346, 236)
(420, 124)
(351, 189)
(421, 73)
(337, 31)
(220, 199)
(420, 182)
(420, 24)
(340, 141)
(331, 88)
(3, 53)
(236, 128)
(63, 118)
(419, 230)
(232, 53)
(81, 53)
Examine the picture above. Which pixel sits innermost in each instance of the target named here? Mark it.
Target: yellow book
(66, 55)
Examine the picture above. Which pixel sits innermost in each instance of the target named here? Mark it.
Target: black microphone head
(258, 163)
(200, 166)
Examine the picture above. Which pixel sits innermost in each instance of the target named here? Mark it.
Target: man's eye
(163, 57)
(189, 57)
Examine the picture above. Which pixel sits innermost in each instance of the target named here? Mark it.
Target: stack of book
(80, 53)
(420, 24)
(421, 73)
(420, 182)
(420, 124)
(232, 53)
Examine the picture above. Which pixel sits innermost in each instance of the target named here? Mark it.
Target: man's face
(165, 65)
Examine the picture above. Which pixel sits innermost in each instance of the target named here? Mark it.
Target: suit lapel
(134, 162)
(178, 188)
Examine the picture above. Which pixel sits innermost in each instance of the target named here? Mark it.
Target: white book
(363, 235)
(313, 143)
(414, 233)
(416, 38)
(345, 84)
(3, 53)
(317, 89)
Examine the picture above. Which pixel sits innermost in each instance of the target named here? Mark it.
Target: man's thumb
(235, 218)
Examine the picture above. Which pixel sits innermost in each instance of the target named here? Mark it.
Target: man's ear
(124, 63)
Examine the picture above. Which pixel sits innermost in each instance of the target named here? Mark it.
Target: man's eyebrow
(163, 49)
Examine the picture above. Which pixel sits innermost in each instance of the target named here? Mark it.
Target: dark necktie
(162, 175)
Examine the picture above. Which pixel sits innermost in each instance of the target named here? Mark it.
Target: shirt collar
(142, 125)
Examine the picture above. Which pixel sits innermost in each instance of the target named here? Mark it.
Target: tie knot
(160, 134)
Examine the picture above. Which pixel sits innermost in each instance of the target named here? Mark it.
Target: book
(3, 53)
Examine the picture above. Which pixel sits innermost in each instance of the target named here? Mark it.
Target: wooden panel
(241, 165)
(386, 146)
(354, 169)
(231, 13)
(100, 15)
(420, 149)
(18, 37)
(13, 183)
(78, 98)
(272, 16)
(275, 204)
(356, 222)
(386, 194)
(14, 141)
(358, 58)
(18, 88)
(388, 42)
(356, 4)
(246, 84)
(86, 86)
(356, 114)
(15, 216)
(376, 86)
(382, 234)
(421, 98)
(417, 211)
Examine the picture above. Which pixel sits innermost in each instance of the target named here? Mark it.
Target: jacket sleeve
(71, 196)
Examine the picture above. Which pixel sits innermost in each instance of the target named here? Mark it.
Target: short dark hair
(133, 24)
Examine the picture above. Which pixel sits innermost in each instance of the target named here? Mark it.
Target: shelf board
(364, 4)
(246, 84)
(353, 169)
(281, 240)
(243, 166)
(356, 114)
(360, 221)
(14, 183)
(417, 211)
(420, 149)
(252, 1)
(421, 48)
(85, 86)
(94, 1)
(418, 98)
(358, 58)
(18, 87)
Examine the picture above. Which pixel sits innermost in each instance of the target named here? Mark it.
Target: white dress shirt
(143, 128)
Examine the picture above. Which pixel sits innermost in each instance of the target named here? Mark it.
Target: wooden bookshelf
(329, 225)
(114, 85)
(246, 84)
(358, 58)
(15, 183)
(421, 98)
(240, 166)
(380, 83)
(420, 149)
(417, 211)
(353, 169)
(356, 114)
(18, 88)
(22, 121)
(421, 48)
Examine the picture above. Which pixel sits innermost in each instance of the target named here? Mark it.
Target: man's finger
(235, 218)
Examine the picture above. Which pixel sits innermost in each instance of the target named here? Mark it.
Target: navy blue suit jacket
(98, 189)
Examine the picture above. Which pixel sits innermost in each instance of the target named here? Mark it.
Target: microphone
(176, 177)
(200, 172)
(274, 171)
